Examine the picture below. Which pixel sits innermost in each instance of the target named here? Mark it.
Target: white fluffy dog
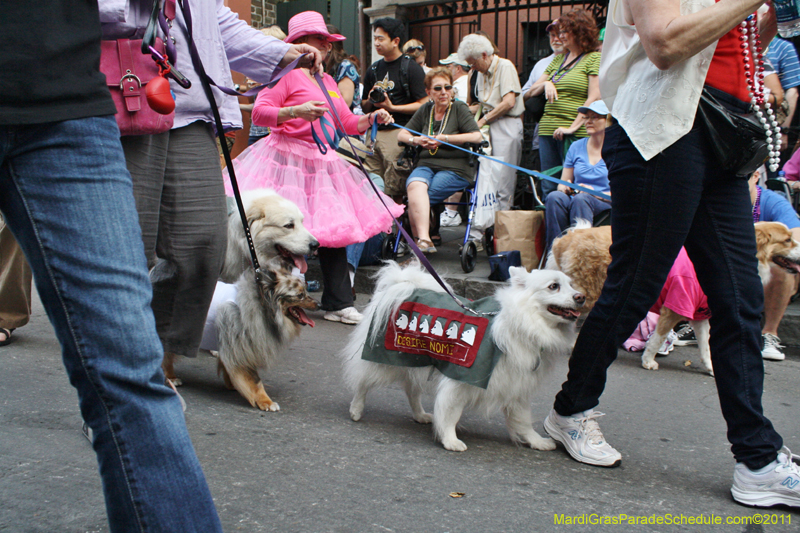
(535, 325)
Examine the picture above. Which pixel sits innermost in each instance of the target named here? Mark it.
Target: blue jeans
(551, 154)
(441, 184)
(67, 196)
(563, 210)
(678, 198)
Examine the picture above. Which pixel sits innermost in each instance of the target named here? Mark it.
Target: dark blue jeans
(68, 198)
(680, 198)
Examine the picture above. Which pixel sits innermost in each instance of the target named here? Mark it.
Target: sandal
(7, 333)
(426, 247)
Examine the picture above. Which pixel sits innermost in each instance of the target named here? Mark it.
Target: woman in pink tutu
(338, 202)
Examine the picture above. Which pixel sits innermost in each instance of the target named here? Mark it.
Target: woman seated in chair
(441, 170)
(584, 166)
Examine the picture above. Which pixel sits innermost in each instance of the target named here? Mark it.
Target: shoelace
(790, 463)
(772, 340)
(591, 428)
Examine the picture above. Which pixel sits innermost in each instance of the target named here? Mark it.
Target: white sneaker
(772, 348)
(348, 315)
(581, 436)
(449, 219)
(669, 343)
(778, 483)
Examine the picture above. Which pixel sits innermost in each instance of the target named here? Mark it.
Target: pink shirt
(682, 292)
(296, 89)
(792, 167)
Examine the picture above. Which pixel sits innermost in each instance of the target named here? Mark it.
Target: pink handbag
(128, 71)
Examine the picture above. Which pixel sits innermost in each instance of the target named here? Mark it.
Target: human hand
(383, 116)
(560, 132)
(311, 110)
(563, 188)
(312, 60)
(550, 91)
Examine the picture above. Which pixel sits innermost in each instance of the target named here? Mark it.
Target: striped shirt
(573, 90)
(783, 57)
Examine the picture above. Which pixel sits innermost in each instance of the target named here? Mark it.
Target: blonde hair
(273, 30)
(414, 43)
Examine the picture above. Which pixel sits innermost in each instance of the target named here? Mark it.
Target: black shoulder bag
(737, 138)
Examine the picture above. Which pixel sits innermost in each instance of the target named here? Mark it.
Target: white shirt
(655, 107)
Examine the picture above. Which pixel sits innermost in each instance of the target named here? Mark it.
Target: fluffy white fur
(276, 226)
(536, 324)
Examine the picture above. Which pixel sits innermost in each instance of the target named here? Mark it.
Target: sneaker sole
(340, 319)
(684, 343)
(580, 458)
(760, 499)
(768, 357)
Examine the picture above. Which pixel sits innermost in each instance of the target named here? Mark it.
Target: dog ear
(517, 276)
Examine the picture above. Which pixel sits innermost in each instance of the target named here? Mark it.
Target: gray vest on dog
(430, 329)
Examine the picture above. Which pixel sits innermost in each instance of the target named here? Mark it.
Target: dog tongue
(300, 263)
(303, 317)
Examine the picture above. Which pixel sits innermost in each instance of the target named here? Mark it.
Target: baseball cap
(453, 58)
(598, 106)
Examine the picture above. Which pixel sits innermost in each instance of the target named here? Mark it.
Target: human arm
(567, 174)
(593, 95)
(506, 105)
(791, 96)
(776, 94)
(254, 54)
(348, 90)
(669, 37)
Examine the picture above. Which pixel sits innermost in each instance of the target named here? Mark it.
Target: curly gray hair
(473, 46)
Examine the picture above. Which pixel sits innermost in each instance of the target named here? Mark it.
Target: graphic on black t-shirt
(391, 82)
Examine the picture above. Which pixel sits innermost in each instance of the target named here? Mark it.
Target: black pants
(337, 293)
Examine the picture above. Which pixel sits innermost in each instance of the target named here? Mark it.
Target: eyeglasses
(439, 88)
(415, 49)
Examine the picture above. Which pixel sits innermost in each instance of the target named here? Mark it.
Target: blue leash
(515, 167)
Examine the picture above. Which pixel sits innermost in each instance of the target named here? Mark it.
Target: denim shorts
(441, 184)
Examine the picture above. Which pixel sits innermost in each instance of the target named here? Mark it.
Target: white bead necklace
(754, 72)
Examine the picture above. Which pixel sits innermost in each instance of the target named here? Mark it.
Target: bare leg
(168, 366)
(419, 209)
(777, 294)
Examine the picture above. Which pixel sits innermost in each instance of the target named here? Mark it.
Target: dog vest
(430, 329)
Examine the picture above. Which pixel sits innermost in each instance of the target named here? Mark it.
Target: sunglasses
(415, 49)
(439, 88)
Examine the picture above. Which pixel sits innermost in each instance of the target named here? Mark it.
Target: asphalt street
(309, 468)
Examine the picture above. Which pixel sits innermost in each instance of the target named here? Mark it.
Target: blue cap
(598, 106)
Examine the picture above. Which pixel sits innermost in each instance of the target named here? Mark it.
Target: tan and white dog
(583, 254)
(535, 325)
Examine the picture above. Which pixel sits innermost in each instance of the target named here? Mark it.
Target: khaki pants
(15, 282)
(383, 162)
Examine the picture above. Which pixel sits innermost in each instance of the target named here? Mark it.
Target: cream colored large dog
(276, 227)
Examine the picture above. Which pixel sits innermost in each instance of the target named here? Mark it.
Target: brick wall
(263, 12)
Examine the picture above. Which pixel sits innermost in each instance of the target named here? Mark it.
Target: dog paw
(424, 418)
(454, 445)
(542, 444)
(355, 416)
(175, 381)
(269, 406)
(650, 365)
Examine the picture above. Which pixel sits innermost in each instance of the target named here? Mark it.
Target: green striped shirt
(573, 90)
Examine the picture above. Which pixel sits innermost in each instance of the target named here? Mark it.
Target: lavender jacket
(223, 41)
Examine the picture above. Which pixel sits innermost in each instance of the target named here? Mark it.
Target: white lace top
(655, 107)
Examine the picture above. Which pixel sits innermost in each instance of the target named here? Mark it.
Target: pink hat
(309, 23)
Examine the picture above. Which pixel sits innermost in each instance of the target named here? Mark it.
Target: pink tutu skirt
(338, 202)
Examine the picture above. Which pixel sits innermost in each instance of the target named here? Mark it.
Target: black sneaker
(686, 336)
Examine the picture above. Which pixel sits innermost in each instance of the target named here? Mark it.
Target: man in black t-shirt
(402, 82)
